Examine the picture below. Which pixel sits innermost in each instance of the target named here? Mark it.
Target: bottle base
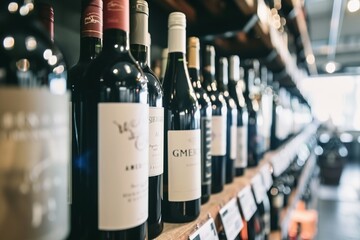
(155, 229)
(239, 171)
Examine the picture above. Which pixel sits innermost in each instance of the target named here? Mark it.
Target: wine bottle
(34, 129)
(236, 88)
(90, 47)
(276, 197)
(231, 122)
(256, 94)
(182, 161)
(206, 112)
(139, 49)
(218, 122)
(253, 158)
(114, 134)
(164, 59)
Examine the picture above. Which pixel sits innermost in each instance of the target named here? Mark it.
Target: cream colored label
(156, 141)
(184, 165)
(123, 155)
(218, 136)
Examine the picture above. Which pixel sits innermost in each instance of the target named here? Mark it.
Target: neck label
(116, 14)
(92, 22)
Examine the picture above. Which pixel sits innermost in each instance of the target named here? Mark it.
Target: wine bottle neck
(140, 53)
(46, 16)
(177, 39)
(116, 39)
(223, 75)
(90, 47)
(91, 29)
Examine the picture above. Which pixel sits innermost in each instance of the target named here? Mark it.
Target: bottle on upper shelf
(182, 149)
(193, 55)
(231, 120)
(252, 107)
(257, 94)
(114, 136)
(90, 47)
(236, 89)
(218, 124)
(34, 134)
(266, 105)
(139, 40)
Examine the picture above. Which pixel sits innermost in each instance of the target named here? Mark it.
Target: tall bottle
(139, 49)
(266, 105)
(257, 94)
(252, 123)
(114, 134)
(231, 122)
(236, 88)
(218, 121)
(90, 47)
(34, 136)
(206, 112)
(182, 160)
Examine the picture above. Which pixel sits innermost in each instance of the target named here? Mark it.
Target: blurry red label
(116, 14)
(92, 22)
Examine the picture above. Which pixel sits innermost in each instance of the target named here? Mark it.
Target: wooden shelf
(182, 231)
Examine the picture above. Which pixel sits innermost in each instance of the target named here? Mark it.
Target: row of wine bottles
(143, 152)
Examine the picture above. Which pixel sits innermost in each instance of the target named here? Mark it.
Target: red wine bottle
(182, 161)
(139, 49)
(231, 122)
(206, 113)
(236, 88)
(90, 47)
(218, 122)
(253, 157)
(34, 136)
(114, 134)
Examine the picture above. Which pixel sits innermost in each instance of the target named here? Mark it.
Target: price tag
(206, 232)
(231, 219)
(247, 202)
(259, 188)
(266, 175)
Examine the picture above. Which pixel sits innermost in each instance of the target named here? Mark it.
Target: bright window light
(353, 5)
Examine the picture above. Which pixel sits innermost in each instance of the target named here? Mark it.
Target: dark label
(116, 14)
(205, 150)
(92, 22)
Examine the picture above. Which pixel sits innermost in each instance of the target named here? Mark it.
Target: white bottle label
(218, 136)
(233, 139)
(34, 158)
(206, 232)
(184, 165)
(231, 219)
(123, 154)
(247, 202)
(156, 141)
(241, 159)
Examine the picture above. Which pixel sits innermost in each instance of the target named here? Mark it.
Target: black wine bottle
(253, 157)
(206, 112)
(34, 129)
(139, 49)
(236, 89)
(182, 161)
(218, 121)
(90, 47)
(114, 134)
(231, 122)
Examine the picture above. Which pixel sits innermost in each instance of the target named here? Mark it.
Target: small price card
(206, 232)
(266, 175)
(258, 187)
(247, 202)
(231, 219)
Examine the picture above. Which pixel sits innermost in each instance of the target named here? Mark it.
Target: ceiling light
(330, 67)
(353, 5)
(310, 59)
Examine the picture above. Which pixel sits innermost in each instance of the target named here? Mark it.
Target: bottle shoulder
(113, 69)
